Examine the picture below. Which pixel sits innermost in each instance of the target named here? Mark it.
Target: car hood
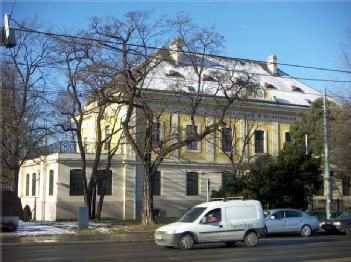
(173, 228)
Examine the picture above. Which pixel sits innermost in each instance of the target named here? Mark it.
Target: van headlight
(336, 223)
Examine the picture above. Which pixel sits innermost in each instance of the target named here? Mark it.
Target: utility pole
(327, 177)
(208, 188)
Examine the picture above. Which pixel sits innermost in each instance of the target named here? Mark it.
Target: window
(34, 184)
(76, 183)
(156, 184)
(259, 141)
(227, 139)
(51, 183)
(190, 130)
(287, 137)
(227, 178)
(173, 73)
(104, 178)
(85, 144)
(292, 213)
(296, 89)
(155, 136)
(278, 214)
(214, 216)
(107, 137)
(192, 183)
(27, 184)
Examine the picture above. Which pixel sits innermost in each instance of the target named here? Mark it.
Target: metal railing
(72, 147)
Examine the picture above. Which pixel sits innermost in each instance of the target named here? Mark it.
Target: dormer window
(173, 73)
(208, 78)
(296, 89)
(269, 86)
(308, 101)
(191, 88)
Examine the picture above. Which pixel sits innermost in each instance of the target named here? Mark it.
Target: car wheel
(186, 241)
(306, 231)
(230, 243)
(348, 230)
(251, 239)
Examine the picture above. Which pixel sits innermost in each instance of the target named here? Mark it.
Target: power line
(160, 48)
(238, 71)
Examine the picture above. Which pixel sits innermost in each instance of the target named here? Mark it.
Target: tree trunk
(101, 198)
(15, 173)
(93, 202)
(147, 214)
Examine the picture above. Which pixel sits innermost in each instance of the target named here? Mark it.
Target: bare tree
(24, 104)
(85, 99)
(131, 40)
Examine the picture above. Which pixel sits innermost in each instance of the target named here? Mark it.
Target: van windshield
(192, 215)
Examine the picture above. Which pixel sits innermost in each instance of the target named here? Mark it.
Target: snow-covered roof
(279, 88)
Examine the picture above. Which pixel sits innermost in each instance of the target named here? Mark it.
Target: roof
(212, 204)
(280, 88)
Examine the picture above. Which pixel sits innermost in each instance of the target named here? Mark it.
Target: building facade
(51, 184)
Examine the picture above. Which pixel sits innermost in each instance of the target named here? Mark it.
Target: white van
(215, 221)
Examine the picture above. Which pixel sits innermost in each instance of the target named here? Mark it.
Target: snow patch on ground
(54, 228)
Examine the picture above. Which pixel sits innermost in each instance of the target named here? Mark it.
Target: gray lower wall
(169, 208)
(69, 209)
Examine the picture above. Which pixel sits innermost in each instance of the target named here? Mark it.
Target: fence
(322, 214)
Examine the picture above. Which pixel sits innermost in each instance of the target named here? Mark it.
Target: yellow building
(256, 126)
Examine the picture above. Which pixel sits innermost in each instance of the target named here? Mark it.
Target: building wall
(173, 195)
(67, 205)
(42, 205)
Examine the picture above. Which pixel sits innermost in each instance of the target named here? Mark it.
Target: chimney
(175, 50)
(272, 64)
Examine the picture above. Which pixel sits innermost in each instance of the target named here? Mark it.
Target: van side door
(210, 229)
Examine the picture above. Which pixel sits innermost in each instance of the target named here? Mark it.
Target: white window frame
(233, 137)
(161, 131)
(265, 141)
(198, 183)
(199, 143)
(285, 135)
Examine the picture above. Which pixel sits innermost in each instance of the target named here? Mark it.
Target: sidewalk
(46, 233)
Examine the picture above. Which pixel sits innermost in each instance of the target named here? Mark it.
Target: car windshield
(345, 215)
(192, 215)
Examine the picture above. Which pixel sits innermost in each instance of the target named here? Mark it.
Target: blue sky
(298, 33)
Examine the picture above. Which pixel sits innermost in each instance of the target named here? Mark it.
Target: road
(321, 248)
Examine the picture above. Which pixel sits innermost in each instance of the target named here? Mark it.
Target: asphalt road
(321, 248)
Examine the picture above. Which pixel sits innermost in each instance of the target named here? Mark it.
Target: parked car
(215, 221)
(290, 221)
(9, 223)
(339, 224)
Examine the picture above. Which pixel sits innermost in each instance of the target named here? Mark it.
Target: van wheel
(251, 239)
(306, 231)
(230, 243)
(186, 241)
